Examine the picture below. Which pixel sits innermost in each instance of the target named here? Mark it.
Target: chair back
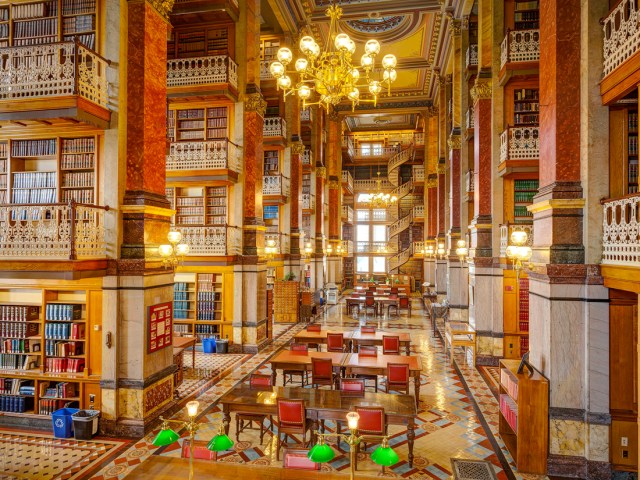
(369, 293)
(296, 458)
(352, 385)
(368, 329)
(335, 342)
(369, 301)
(372, 420)
(256, 380)
(372, 288)
(368, 351)
(397, 373)
(394, 289)
(321, 368)
(404, 302)
(390, 345)
(291, 412)
(300, 347)
(314, 327)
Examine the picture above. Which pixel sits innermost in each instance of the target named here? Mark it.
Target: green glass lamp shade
(384, 456)
(220, 443)
(165, 437)
(321, 453)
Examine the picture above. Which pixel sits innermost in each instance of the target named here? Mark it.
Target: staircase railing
(397, 160)
(403, 190)
(400, 259)
(401, 225)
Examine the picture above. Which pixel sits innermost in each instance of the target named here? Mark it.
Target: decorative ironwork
(418, 249)
(255, 102)
(265, 74)
(621, 231)
(472, 56)
(274, 127)
(275, 185)
(455, 27)
(52, 231)
(519, 143)
(621, 35)
(520, 46)
(418, 211)
(400, 225)
(470, 119)
(305, 115)
(505, 234)
(418, 173)
(210, 155)
(202, 71)
(307, 157)
(308, 201)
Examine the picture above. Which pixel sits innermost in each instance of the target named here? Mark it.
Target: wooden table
(385, 300)
(305, 336)
(321, 405)
(460, 334)
(288, 360)
(359, 338)
(180, 344)
(354, 300)
(378, 366)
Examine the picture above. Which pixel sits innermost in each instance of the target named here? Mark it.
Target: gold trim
(321, 172)
(455, 27)
(257, 228)
(480, 226)
(454, 142)
(297, 148)
(432, 183)
(254, 102)
(481, 89)
(163, 7)
(335, 184)
(147, 210)
(441, 169)
(557, 204)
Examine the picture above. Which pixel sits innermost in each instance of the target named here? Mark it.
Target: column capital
(432, 180)
(333, 115)
(464, 23)
(454, 142)
(163, 7)
(432, 111)
(481, 89)
(321, 172)
(441, 169)
(334, 183)
(297, 148)
(255, 102)
(455, 27)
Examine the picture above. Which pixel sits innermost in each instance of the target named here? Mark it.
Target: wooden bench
(460, 334)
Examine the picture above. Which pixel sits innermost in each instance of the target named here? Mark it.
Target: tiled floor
(457, 414)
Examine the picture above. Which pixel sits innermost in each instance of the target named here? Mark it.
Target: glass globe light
(352, 420)
(354, 94)
(375, 88)
(372, 47)
(301, 64)
(524, 253)
(305, 44)
(276, 69)
(342, 41)
(284, 82)
(461, 244)
(366, 61)
(182, 249)
(174, 236)
(511, 251)
(355, 74)
(390, 75)
(192, 408)
(285, 56)
(389, 61)
(165, 250)
(315, 50)
(304, 92)
(351, 47)
(519, 237)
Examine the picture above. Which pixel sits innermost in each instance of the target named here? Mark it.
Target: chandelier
(331, 72)
(378, 199)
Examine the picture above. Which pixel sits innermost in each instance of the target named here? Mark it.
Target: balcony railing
(347, 142)
(274, 127)
(376, 247)
(520, 46)
(470, 119)
(621, 35)
(265, 73)
(505, 234)
(519, 143)
(52, 231)
(305, 115)
(202, 71)
(472, 56)
(281, 242)
(621, 231)
(210, 155)
(469, 181)
(308, 201)
(418, 249)
(347, 213)
(347, 179)
(307, 157)
(53, 70)
(275, 185)
(347, 247)
(418, 173)
(371, 184)
(382, 152)
(418, 211)
(205, 241)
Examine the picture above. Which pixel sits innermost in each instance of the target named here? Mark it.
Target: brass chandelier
(331, 72)
(378, 199)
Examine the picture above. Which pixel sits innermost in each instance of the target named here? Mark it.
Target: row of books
(202, 330)
(3, 181)
(78, 145)
(510, 411)
(217, 122)
(525, 185)
(192, 113)
(43, 195)
(15, 345)
(63, 349)
(18, 329)
(220, 202)
(217, 112)
(191, 124)
(190, 220)
(526, 107)
(189, 201)
(86, 39)
(63, 312)
(69, 162)
(80, 23)
(34, 10)
(34, 180)
(633, 145)
(64, 331)
(216, 133)
(74, 7)
(64, 365)
(525, 119)
(633, 171)
(524, 326)
(191, 135)
(19, 313)
(216, 210)
(524, 197)
(36, 28)
(4, 30)
(525, 94)
(530, 5)
(80, 196)
(62, 390)
(521, 211)
(48, 406)
(16, 403)
(16, 386)
(632, 122)
(19, 362)
(526, 16)
(77, 179)
(509, 384)
(524, 345)
(4, 14)
(4, 149)
(25, 42)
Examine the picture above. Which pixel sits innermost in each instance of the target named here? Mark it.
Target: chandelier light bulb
(305, 44)
(301, 64)
(351, 47)
(372, 47)
(314, 50)
(285, 56)
(374, 87)
(388, 61)
(390, 75)
(284, 82)
(276, 69)
(174, 236)
(519, 237)
(524, 253)
(165, 251)
(366, 61)
(354, 94)
(511, 251)
(304, 92)
(182, 249)
(342, 41)
(355, 74)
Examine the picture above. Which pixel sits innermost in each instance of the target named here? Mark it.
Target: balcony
(472, 57)
(276, 187)
(520, 50)
(281, 241)
(206, 10)
(308, 201)
(307, 158)
(418, 212)
(265, 73)
(347, 247)
(519, 143)
(371, 184)
(418, 173)
(349, 145)
(470, 124)
(621, 231)
(376, 247)
(347, 214)
(347, 182)
(418, 249)
(505, 234)
(274, 128)
(56, 80)
(198, 76)
(212, 241)
(216, 158)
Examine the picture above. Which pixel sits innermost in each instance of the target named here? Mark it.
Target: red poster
(160, 327)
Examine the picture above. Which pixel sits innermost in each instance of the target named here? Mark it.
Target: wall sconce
(270, 248)
(441, 250)
(339, 250)
(173, 254)
(329, 249)
(308, 249)
(462, 251)
(429, 250)
(519, 251)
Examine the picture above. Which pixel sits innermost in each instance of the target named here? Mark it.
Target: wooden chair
(369, 302)
(372, 288)
(368, 351)
(368, 329)
(296, 458)
(335, 342)
(404, 303)
(314, 327)
(322, 372)
(373, 421)
(287, 375)
(398, 377)
(390, 345)
(394, 290)
(292, 419)
(245, 420)
(352, 386)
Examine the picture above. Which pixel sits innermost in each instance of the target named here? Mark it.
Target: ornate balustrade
(275, 185)
(347, 179)
(469, 181)
(505, 235)
(53, 70)
(472, 56)
(265, 73)
(376, 247)
(347, 213)
(274, 127)
(347, 247)
(418, 138)
(470, 119)
(621, 35)
(418, 211)
(403, 190)
(621, 231)
(308, 201)
(210, 155)
(347, 142)
(400, 259)
(520, 46)
(418, 173)
(305, 115)
(55, 231)
(207, 241)
(370, 184)
(380, 152)
(418, 249)
(519, 143)
(400, 225)
(307, 157)
(202, 71)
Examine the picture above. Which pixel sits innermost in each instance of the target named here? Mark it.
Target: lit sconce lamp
(429, 250)
(166, 436)
(462, 251)
(308, 249)
(270, 248)
(173, 254)
(323, 453)
(441, 250)
(519, 251)
(329, 249)
(339, 250)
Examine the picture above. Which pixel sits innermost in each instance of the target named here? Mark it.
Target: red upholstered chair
(296, 458)
(314, 327)
(372, 288)
(372, 421)
(287, 375)
(322, 372)
(398, 377)
(245, 420)
(404, 303)
(335, 342)
(352, 386)
(369, 302)
(292, 417)
(368, 351)
(368, 329)
(390, 345)
(369, 293)
(394, 290)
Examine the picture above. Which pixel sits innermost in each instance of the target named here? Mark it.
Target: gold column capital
(163, 7)
(334, 184)
(432, 181)
(321, 172)
(481, 89)
(464, 24)
(454, 142)
(333, 115)
(297, 148)
(255, 102)
(455, 27)
(441, 169)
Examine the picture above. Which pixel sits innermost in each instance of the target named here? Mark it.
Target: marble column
(441, 263)
(431, 226)
(293, 260)
(319, 259)
(334, 170)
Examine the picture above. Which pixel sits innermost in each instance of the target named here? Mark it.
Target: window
(379, 215)
(362, 215)
(377, 149)
(362, 265)
(379, 233)
(379, 265)
(365, 149)
(362, 233)
(368, 149)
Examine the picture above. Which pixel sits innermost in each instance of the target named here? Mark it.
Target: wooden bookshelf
(526, 106)
(526, 15)
(197, 124)
(515, 314)
(216, 206)
(286, 301)
(198, 206)
(201, 41)
(4, 170)
(523, 192)
(271, 162)
(269, 47)
(78, 166)
(524, 417)
(217, 119)
(623, 151)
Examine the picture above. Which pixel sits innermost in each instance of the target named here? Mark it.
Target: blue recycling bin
(63, 423)
(209, 345)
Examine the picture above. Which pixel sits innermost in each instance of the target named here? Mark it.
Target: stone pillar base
(441, 277)
(334, 270)
(457, 285)
(486, 309)
(430, 271)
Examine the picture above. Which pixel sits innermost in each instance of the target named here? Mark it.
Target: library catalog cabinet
(51, 347)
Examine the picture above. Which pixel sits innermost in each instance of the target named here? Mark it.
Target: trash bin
(209, 345)
(63, 423)
(222, 345)
(85, 424)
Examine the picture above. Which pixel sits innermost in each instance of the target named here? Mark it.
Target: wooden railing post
(72, 230)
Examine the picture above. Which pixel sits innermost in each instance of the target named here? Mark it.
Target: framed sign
(160, 327)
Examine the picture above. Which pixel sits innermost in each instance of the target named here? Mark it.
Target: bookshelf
(4, 26)
(526, 15)
(216, 206)
(77, 167)
(348, 271)
(515, 314)
(269, 48)
(271, 162)
(199, 304)
(4, 169)
(306, 183)
(171, 125)
(632, 151)
(201, 41)
(523, 420)
(197, 124)
(523, 193)
(526, 106)
(198, 206)
(623, 149)
(189, 204)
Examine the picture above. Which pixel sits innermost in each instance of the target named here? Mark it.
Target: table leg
(411, 435)
(416, 388)
(407, 347)
(193, 356)
(274, 374)
(226, 418)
